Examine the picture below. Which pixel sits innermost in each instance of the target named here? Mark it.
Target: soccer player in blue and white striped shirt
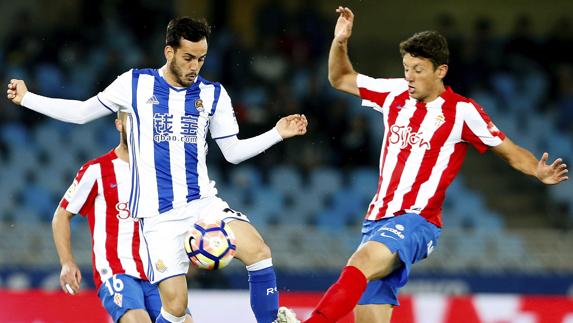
(171, 110)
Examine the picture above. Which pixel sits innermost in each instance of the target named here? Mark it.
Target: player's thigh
(379, 313)
(375, 260)
(164, 236)
(135, 316)
(120, 294)
(250, 244)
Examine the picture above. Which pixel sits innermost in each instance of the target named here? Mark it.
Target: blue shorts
(121, 293)
(412, 237)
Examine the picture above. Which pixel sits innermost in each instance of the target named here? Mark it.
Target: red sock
(341, 297)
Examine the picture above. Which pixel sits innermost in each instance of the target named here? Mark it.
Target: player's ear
(169, 52)
(118, 125)
(442, 70)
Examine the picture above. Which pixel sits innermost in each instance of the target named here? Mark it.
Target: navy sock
(264, 294)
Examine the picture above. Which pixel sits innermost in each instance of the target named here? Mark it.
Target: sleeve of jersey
(118, 95)
(223, 123)
(478, 129)
(72, 111)
(81, 194)
(374, 92)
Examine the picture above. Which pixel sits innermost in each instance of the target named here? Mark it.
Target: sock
(341, 297)
(263, 289)
(166, 317)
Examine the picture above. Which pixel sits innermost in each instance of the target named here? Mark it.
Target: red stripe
(376, 97)
(469, 136)
(395, 107)
(112, 222)
(91, 221)
(414, 123)
(429, 162)
(88, 206)
(433, 211)
(64, 203)
(135, 250)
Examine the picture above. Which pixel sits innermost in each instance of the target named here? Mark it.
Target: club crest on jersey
(406, 137)
(160, 266)
(199, 105)
(118, 299)
(439, 121)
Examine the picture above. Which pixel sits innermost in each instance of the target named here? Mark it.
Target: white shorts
(164, 235)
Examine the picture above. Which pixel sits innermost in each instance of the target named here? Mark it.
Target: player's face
(424, 81)
(187, 60)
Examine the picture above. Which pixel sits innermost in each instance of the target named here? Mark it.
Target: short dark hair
(187, 28)
(427, 44)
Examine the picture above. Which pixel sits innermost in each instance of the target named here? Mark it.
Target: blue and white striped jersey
(166, 134)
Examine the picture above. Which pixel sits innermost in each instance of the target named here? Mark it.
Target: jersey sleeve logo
(71, 191)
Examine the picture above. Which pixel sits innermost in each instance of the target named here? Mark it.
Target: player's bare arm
(16, 91)
(70, 276)
(292, 125)
(341, 74)
(524, 161)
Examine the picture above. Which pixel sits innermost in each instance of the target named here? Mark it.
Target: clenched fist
(16, 91)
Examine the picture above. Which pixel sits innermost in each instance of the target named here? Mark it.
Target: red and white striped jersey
(424, 146)
(100, 192)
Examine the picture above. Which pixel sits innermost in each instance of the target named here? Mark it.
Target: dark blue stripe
(226, 136)
(216, 96)
(161, 149)
(134, 194)
(191, 172)
(149, 272)
(110, 109)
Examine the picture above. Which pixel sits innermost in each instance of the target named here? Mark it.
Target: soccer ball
(210, 244)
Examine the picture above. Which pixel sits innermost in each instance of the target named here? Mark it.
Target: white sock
(172, 318)
(265, 263)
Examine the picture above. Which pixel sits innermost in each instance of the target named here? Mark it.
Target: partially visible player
(428, 128)
(100, 192)
(172, 110)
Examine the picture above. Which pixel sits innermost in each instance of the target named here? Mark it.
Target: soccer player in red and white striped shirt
(428, 129)
(100, 192)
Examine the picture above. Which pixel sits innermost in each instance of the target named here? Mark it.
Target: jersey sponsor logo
(123, 211)
(152, 100)
(163, 128)
(404, 136)
(400, 227)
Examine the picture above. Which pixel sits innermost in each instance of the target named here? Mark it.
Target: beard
(181, 79)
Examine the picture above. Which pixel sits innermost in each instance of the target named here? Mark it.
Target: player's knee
(375, 261)
(174, 303)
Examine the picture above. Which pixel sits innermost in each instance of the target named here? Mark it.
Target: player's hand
(16, 91)
(293, 125)
(551, 174)
(343, 28)
(70, 278)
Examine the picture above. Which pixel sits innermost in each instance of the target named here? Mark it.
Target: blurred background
(505, 234)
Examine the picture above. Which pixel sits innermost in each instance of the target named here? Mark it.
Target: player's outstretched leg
(256, 255)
